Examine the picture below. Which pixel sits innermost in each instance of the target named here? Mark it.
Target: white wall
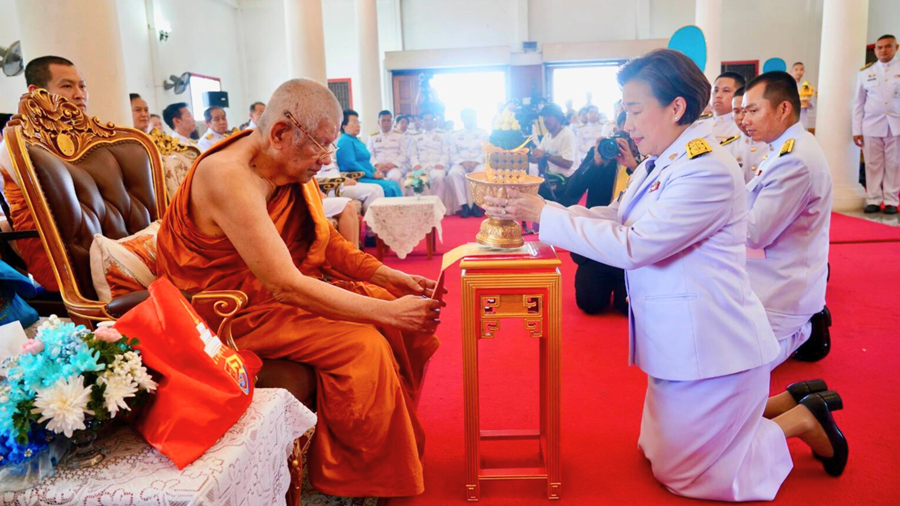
(884, 18)
(552, 21)
(439, 24)
(136, 42)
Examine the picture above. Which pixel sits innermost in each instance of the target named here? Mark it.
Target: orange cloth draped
(369, 441)
(31, 250)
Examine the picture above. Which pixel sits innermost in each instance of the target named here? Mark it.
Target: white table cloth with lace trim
(248, 466)
(402, 222)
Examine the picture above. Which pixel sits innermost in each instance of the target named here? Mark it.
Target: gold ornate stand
(524, 287)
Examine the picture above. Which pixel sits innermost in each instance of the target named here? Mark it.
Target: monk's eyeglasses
(322, 151)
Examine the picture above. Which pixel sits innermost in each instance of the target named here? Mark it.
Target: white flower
(64, 404)
(51, 323)
(130, 364)
(118, 388)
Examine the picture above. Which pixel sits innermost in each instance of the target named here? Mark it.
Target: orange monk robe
(368, 441)
(31, 250)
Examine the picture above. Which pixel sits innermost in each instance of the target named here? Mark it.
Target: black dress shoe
(818, 346)
(890, 209)
(871, 208)
(477, 211)
(819, 404)
(463, 212)
(801, 389)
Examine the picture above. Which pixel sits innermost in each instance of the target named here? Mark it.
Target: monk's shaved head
(310, 102)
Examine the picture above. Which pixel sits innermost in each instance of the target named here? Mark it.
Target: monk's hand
(415, 314)
(518, 206)
(397, 283)
(428, 284)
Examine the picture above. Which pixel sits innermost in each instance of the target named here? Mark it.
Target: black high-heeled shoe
(801, 389)
(818, 404)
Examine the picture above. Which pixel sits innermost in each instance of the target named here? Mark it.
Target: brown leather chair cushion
(108, 191)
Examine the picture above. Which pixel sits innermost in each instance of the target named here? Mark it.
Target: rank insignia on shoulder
(730, 140)
(208, 136)
(705, 116)
(868, 65)
(787, 147)
(697, 147)
(373, 133)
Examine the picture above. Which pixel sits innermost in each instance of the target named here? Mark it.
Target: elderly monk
(249, 217)
(60, 77)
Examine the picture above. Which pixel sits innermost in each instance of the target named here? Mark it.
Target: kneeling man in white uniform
(790, 213)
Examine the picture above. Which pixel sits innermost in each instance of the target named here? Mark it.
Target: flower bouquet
(67, 381)
(417, 181)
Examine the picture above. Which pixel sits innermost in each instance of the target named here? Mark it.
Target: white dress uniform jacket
(876, 104)
(790, 215)
(748, 153)
(184, 140)
(391, 147)
(586, 136)
(428, 150)
(723, 127)
(209, 138)
(465, 146)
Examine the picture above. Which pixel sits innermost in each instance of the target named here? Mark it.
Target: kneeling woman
(697, 329)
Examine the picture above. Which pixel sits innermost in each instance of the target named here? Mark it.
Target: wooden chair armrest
(354, 175)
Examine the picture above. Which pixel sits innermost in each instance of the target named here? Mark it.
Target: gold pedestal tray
(496, 232)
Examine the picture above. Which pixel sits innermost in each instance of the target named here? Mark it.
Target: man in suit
(790, 213)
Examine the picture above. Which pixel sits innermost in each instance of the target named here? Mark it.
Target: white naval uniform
(366, 193)
(430, 149)
(585, 137)
(209, 139)
(876, 116)
(465, 146)
(723, 127)
(787, 233)
(748, 153)
(184, 140)
(696, 327)
(391, 147)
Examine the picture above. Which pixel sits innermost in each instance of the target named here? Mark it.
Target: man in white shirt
(722, 122)
(256, 112)
(140, 113)
(555, 155)
(389, 148)
(430, 152)
(217, 127)
(586, 134)
(467, 157)
(790, 214)
(876, 125)
(748, 153)
(798, 70)
(181, 120)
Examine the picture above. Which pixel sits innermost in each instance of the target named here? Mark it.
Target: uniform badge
(654, 187)
(730, 140)
(787, 147)
(697, 147)
(673, 156)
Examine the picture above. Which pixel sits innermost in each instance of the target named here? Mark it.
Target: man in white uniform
(586, 135)
(140, 113)
(389, 149)
(798, 70)
(431, 153)
(748, 153)
(876, 125)
(181, 120)
(256, 112)
(722, 123)
(790, 213)
(217, 127)
(466, 156)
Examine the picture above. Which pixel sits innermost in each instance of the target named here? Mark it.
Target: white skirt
(707, 439)
(334, 206)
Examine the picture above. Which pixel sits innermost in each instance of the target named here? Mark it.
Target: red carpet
(847, 229)
(602, 397)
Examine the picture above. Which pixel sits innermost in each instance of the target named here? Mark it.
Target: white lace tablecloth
(248, 466)
(402, 222)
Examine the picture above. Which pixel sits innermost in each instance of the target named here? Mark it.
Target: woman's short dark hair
(347, 114)
(670, 75)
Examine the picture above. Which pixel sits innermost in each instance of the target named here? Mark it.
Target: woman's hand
(519, 206)
(378, 175)
(625, 156)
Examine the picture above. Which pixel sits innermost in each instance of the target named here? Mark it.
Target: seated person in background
(353, 156)
(603, 179)
(249, 217)
(365, 193)
(256, 111)
(389, 148)
(748, 153)
(181, 120)
(790, 215)
(466, 157)
(140, 113)
(430, 152)
(347, 217)
(60, 77)
(721, 121)
(403, 124)
(586, 134)
(217, 127)
(156, 122)
(555, 155)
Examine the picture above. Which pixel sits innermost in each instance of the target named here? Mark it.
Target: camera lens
(609, 148)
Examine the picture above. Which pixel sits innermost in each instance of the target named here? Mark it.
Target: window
(747, 69)
(343, 91)
(574, 82)
(483, 91)
(199, 85)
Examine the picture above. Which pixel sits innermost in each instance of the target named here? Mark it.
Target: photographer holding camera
(603, 174)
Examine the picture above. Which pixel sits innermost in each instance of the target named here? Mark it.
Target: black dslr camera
(609, 148)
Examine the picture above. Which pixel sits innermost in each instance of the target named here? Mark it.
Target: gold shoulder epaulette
(787, 147)
(867, 65)
(398, 132)
(208, 136)
(697, 147)
(374, 133)
(705, 116)
(730, 140)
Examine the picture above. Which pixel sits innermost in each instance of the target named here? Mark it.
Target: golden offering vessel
(806, 93)
(497, 232)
